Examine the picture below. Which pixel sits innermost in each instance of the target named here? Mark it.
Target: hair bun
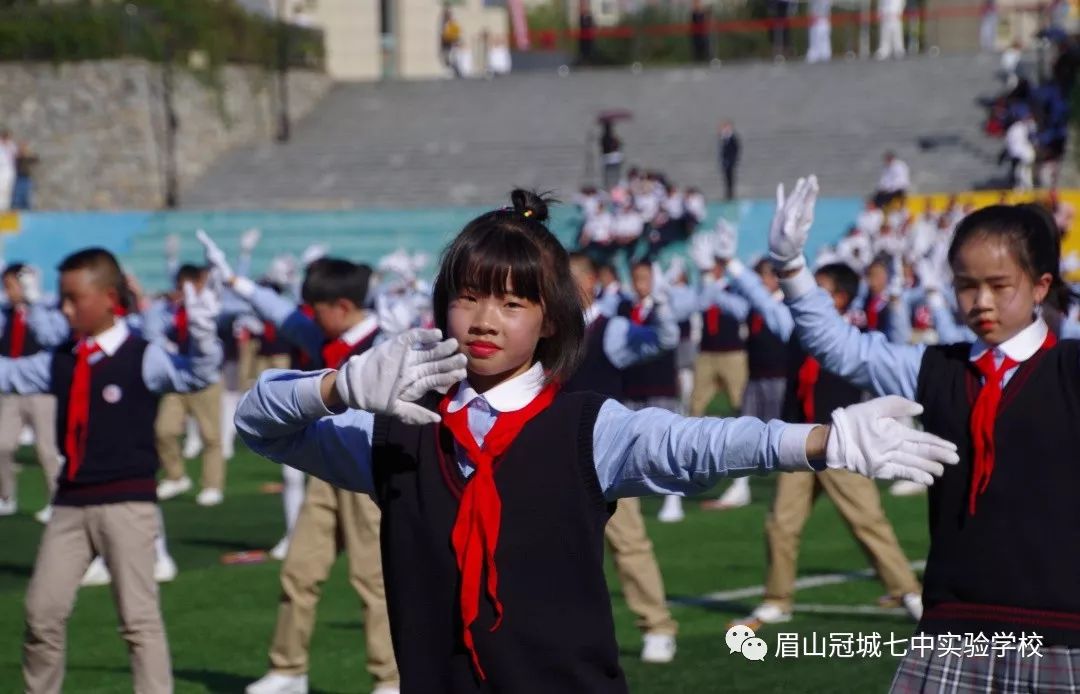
(530, 204)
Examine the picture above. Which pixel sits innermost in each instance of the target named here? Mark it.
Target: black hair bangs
(489, 261)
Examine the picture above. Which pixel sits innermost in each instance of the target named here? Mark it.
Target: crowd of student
(526, 399)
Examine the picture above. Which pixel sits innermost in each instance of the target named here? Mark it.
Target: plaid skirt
(1058, 670)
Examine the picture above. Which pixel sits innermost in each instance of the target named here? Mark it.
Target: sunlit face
(498, 334)
(996, 297)
(877, 278)
(13, 289)
(334, 317)
(585, 279)
(643, 280)
(840, 299)
(88, 307)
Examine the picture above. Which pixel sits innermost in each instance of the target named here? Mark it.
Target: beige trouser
(331, 520)
(716, 370)
(639, 574)
(38, 411)
(205, 406)
(123, 534)
(859, 503)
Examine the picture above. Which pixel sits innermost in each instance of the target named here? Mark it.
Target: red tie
(635, 315)
(18, 332)
(269, 332)
(808, 376)
(78, 410)
(712, 320)
(873, 312)
(181, 325)
(756, 323)
(476, 528)
(983, 415)
(335, 352)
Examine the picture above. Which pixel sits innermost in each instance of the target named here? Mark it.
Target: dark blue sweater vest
(557, 632)
(1014, 566)
(121, 455)
(596, 372)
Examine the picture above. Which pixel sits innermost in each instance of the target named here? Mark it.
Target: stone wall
(99, 127)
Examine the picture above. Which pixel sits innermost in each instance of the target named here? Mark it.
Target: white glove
(30, 283)
(248, 240)
(675, 270)
(896, 282)
(701, 252)
(202, 309)
(791, 224)
(172, 247)
(928, 278)
(399, 263)
(313, 253)
(869, 439)
(282, 269)
(727, 241)
(420, 261)
(388, 378)
(215, 257)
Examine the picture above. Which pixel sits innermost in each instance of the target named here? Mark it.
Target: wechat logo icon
(741, 639)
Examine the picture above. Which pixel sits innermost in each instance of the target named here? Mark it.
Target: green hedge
(219, 30)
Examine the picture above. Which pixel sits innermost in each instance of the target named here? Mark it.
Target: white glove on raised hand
(702, 253)
(203, 307)
(896, 281)
(215, 257)
(928, 276)
(387, 379)
(726, 241)
(313, 253)
(172, 247)
(869, 439)
(791, 224)
(30, 283)
(248, 240)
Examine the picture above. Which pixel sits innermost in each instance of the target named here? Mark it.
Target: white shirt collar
(110, 340)
(508, 396)
(359, 332)
(1020, 347)
(592, 313)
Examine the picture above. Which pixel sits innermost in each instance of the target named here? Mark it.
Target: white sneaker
(209, 497)
(735, 496)
(907, 488)
(913, 605)
(280, 549)
(386, 689)
(164, 569)
(276, 683)
(765, 613)
(658, 648)
(97, 574)
(167, 489)
(671, 511)
(44, 515)
(8, 507)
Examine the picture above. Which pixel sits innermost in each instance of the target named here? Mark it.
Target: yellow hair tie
(527, 213)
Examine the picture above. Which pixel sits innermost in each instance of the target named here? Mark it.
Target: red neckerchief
(757, 323)
(984, 415)
(712, 320)
(269, 332)
(808, 377)
(476, 528)
(874, 307)
(18, 331)
(78, 409)
(180, 322)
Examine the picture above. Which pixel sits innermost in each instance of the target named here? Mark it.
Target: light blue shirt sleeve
(684, 302)
(156, 320)
(626, 344)
(289, 320)
(866, 360)
(776, 315)
(283, 418)
(899, 332)
(655, 451)
(164, 372)
(948, 329)
(713, 294)
(48, 325)
(26, 375)
(1070, 329)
